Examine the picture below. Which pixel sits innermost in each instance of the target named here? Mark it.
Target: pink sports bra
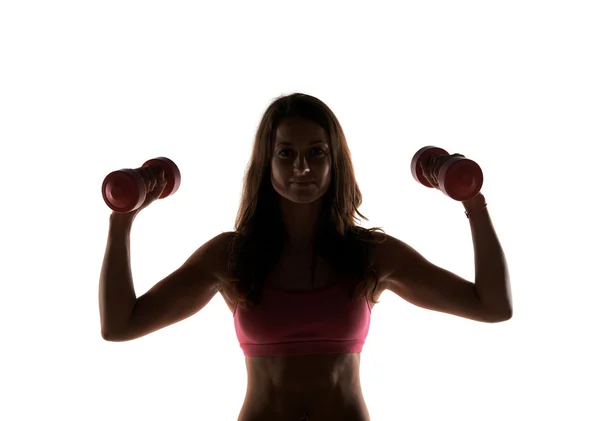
(322, 321)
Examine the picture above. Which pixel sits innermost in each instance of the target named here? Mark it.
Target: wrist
(475, 203)
(122, 219)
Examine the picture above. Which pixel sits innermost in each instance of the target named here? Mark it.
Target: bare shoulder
(392, 254)
(223, 275)
(217, 249)
(221, 270)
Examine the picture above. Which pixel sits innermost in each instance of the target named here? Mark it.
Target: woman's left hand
(431, 167)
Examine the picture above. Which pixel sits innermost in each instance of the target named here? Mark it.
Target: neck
(301, 222)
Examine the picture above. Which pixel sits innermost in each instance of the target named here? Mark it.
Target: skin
(326, 387)
(320, 386)
(301, 152)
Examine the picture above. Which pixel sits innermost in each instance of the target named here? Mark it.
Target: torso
(325, 387)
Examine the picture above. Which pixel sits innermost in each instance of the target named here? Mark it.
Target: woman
(298, 275)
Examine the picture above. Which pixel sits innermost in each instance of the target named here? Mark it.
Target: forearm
(116, 292)
(492, 279)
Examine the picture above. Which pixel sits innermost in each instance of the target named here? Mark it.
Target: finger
(427, 177)
(161, 181)
(148, 177)
(155, 177)
(159, 176)
(148, 180)
(151, 183)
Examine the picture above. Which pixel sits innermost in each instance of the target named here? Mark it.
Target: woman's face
(301, 153)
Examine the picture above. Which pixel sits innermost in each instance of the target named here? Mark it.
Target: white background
(90, 87)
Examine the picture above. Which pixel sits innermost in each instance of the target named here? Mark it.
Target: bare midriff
(304, 388)
(300, 387)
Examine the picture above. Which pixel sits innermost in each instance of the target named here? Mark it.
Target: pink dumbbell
(125, 190)
(459, 177)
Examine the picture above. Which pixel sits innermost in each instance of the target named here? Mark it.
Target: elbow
(500, 317)
(113, 337)
(107, 336)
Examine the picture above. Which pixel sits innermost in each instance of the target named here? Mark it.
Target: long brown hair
(259, 230)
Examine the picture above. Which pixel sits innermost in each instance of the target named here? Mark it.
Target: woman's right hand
(155, 184)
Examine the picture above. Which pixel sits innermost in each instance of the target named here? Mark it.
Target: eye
(313, 149)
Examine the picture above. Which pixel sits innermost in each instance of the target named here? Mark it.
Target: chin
(299, 194)
(303, 200)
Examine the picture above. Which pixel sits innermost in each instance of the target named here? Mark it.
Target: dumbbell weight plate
(460, 178)
(123, 190)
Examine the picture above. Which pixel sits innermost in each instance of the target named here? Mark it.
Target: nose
(301, 165)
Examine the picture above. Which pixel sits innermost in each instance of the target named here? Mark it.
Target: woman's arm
(492, 279)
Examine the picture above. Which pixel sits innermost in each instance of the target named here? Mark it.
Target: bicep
(178, 296)
(412, 277)
(434, 288)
